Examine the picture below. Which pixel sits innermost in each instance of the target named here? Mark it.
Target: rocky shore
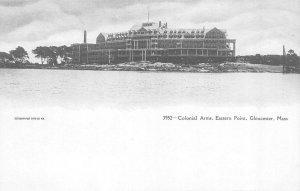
(167, 67)
(170, 67)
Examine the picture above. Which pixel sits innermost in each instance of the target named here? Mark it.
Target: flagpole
(283, 64)
(148, 14)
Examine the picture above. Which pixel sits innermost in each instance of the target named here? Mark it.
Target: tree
(5, 57)
(292, 58)
(62, 54)
(45, 54)
(40, 52)
(258, 59)
(19, 55)
(50, 55)
(53, 55)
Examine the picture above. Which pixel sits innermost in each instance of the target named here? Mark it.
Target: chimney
(84, 37)
(159, 24)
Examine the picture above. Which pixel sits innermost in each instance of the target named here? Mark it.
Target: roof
(190, 31)
(147, 26)
(162, 30)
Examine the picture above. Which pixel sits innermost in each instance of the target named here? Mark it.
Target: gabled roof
(142, 29)
(100, 36)
(216, 29)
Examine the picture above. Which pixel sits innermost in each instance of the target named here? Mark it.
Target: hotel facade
(154, 42)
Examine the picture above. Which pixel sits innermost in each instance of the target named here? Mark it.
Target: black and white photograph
(140, 95)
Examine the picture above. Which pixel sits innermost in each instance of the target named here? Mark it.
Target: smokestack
(159, 24)
(84, 37)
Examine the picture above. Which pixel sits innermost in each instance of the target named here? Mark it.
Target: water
(105, 131)
(67, 88)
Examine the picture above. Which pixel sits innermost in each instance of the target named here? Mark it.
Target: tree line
(291, 59)
(16, 56)
(53, 55)
(49, 55)
(60, 55)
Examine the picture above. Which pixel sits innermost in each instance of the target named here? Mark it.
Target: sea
(130, 131)
(119, 89)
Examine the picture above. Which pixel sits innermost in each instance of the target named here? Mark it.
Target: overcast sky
(260, 26)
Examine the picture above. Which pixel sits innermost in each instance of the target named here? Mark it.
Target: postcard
(184, 95)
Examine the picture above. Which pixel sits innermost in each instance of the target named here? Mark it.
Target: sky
(259, 26)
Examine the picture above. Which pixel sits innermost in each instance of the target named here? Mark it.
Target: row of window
(155, 32)
(173, 36)
(94, 56)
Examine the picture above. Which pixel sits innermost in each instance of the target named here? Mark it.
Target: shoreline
(226, 67)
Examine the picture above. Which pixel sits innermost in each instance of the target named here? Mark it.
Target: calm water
(88, 146)
(69, 88)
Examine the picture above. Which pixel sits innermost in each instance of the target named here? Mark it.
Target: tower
(84, 37)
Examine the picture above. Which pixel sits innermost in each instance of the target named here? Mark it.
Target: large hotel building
(151, 41)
